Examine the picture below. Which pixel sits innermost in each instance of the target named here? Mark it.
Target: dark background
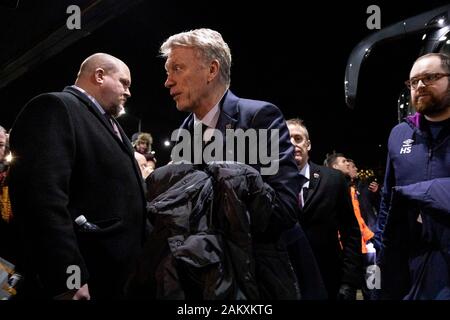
(290, 53)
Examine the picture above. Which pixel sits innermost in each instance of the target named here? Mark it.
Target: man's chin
(183, 108)
(429, 110)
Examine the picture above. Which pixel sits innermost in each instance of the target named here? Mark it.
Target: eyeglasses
(427, 79)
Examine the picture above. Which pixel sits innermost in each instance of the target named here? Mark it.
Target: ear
(99, 75)
(308, 145)
(213, 71)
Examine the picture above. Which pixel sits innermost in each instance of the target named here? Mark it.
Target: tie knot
(200, 129)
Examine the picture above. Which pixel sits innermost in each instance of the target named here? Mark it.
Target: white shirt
(209, 120)
(306, 172)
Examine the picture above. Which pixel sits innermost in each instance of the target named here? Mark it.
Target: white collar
(211, 118)
(94, 101)
(306, 171)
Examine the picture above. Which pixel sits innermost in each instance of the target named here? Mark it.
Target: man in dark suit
(198, 77)
(73, 159)
(328, 219)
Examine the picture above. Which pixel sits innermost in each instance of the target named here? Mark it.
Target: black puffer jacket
(208, 240)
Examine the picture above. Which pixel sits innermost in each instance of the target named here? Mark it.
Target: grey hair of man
(3, 130)
(209, 44)
(298, 122)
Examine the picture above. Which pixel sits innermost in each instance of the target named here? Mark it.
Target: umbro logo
(406, 146)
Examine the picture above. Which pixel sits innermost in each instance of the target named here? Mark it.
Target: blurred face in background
(2, 145)
(302, 145)
(342, 165)
(142, 147)
(353, 170)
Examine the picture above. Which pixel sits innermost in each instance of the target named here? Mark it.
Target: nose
(127, 92)
(420, 84)
(169, 82)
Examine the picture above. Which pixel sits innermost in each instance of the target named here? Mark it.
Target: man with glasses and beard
(413, 223)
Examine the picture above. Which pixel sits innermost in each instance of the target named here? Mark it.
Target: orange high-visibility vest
(366, 233)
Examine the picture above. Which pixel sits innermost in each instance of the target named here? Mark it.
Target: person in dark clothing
(198, 76)
(328, 220)
(414, 258)
(368, 196)
(79, 163)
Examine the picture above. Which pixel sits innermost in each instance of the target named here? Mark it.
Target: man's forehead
(297, 129)
(426, 65)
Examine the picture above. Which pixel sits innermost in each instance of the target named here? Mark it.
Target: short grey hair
(298, 122)
(208, 42)
(3, 130)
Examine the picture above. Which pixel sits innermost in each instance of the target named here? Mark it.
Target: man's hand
(373, 186)
(82, 293)
(346, 293)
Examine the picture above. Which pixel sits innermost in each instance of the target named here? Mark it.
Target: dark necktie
(305, 194)
(113, 125)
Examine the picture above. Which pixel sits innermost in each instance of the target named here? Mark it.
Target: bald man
(73, 159)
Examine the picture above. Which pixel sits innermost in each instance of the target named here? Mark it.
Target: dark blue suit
(237, 113)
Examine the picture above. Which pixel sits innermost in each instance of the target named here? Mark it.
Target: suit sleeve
(43, 143)
(286, 181)
(386, 194)
(350, 235)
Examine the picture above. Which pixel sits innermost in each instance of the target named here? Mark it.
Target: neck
(302, 165)
(441, 116)
(209, 102)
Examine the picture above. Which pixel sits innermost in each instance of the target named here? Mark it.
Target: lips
(423, 94)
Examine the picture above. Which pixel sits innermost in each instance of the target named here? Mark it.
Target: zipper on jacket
(430, 155)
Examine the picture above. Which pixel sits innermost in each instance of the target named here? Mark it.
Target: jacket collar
(126, 145)
(415, 120)
(314, 181)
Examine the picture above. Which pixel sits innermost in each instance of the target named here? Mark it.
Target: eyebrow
(126, 82)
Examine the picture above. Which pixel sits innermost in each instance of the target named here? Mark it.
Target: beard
(115, 110)
(433, 105)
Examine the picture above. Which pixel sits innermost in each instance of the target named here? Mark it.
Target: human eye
(177, 68)
(414, 82)
(125, 83)
(431, 77)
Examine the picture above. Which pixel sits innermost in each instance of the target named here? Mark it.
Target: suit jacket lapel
(228, 112)
(125, 141)
(314, 181)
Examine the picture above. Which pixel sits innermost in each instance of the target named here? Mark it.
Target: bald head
(105, 61)
(107, 79)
